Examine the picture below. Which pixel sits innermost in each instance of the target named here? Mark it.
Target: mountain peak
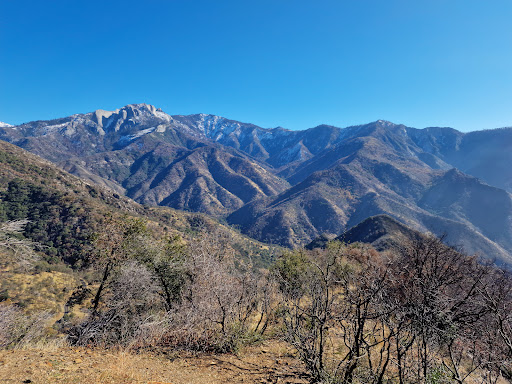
(138, 113)
(141, 107)
(5, 125)
(385, 123)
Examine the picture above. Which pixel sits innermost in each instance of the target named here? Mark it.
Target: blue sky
(289, 63)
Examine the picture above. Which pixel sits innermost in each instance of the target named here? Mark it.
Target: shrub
(130, 306)
(19, 329)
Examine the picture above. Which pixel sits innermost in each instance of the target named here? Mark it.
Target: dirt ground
(270, 362)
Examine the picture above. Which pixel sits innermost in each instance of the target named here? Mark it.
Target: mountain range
(66, 214)
(288, 187)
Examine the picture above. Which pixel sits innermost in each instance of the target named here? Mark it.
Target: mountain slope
(382, 171)
(381, 231)
(484, 154)
(288, 187)
(66, 212)
(137, 150)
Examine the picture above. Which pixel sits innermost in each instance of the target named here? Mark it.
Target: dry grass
(271, 362)
(39, 291)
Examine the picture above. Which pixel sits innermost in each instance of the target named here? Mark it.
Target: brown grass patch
(270, 362)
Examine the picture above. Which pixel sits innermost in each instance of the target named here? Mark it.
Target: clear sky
(289, 63)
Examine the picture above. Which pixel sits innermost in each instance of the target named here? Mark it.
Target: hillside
(288, 187)
(65, 217)
(70, 209)
(139, 151)
(382, 232)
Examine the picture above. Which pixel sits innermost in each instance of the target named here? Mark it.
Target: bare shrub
(219, 301)
(130, 307)
(330, 309)
(424, 314)
(200, 290)
(18, 329)
(22, 250)
(309, 287)
(497, 324)
(436, 293)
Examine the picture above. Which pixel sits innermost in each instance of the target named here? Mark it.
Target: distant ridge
(381, 231)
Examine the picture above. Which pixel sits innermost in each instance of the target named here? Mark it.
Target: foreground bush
(167, 294)
(424, 313)
(131, 306)
(18, 329)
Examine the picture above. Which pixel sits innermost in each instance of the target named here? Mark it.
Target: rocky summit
(289, 187)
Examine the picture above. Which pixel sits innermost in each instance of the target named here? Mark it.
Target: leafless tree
(22, 250)
(267, 302)
(497, 297)
(310, 298)
(361, 322)
(113, 246)
(436, 294)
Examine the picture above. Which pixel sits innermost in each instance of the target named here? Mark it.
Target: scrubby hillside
(64, 217)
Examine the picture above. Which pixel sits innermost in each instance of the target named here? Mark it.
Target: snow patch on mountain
(127, 138)
(5, 125)
(54, 128)
(216, 127)
(298, 152)
(162, 115)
